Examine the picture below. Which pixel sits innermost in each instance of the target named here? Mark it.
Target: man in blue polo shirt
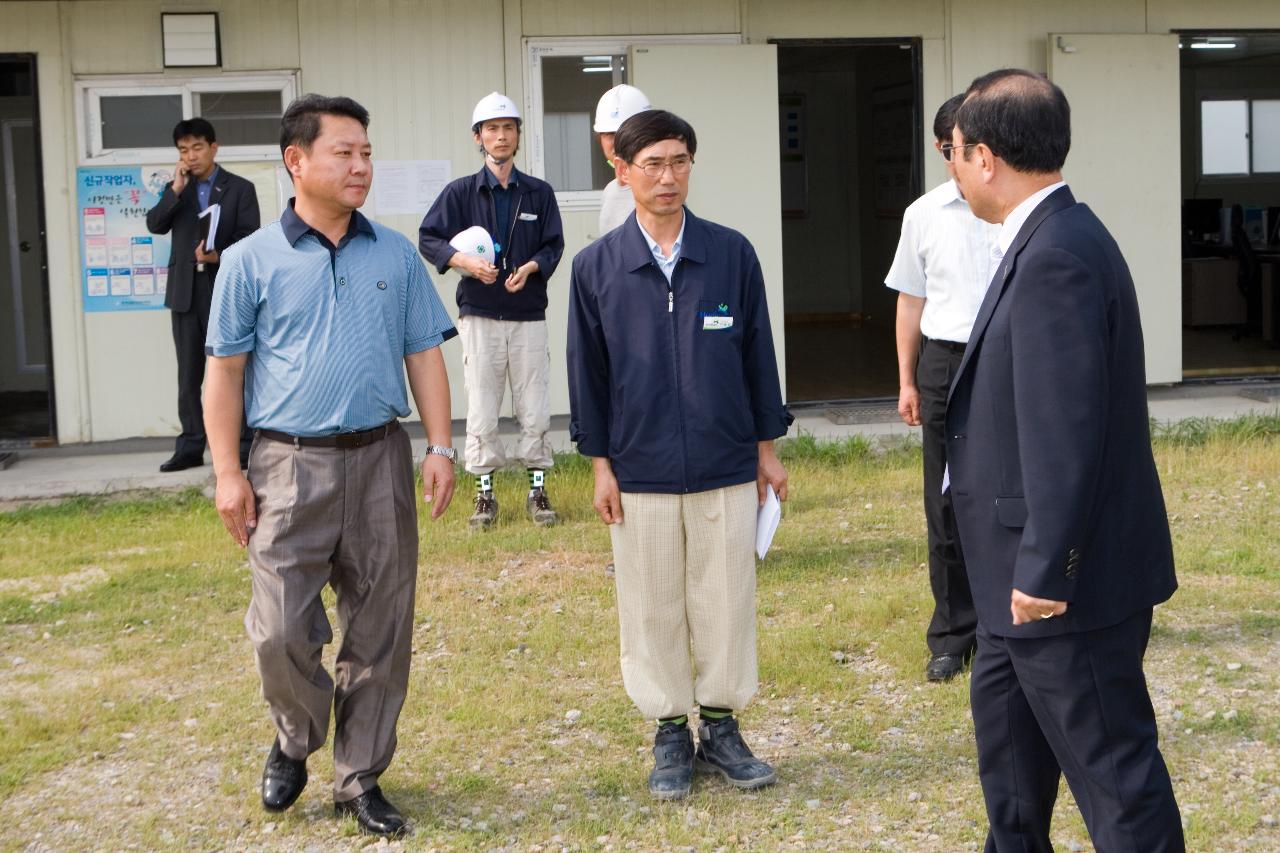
(674, 393)
(325, 311)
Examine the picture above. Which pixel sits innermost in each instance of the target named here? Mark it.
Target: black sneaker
(672, 775)
(722, 750)
(538, 507)
(486, 511)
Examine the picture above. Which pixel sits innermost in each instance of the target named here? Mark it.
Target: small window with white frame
(126, 120)
(1239, 137)
(564, 78)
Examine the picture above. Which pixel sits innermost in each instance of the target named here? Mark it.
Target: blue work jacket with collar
(534, 233)
(674, 383)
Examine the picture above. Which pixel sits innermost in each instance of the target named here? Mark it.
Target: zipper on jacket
(493, 229)
(511, 230)
(675, 350)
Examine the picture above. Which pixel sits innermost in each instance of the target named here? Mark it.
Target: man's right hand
(234, 499)
(608, 499)
(179, 178)
(477, 268)
(909, 405)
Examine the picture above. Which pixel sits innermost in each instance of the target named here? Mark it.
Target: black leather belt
(342, 441)
(954, 346)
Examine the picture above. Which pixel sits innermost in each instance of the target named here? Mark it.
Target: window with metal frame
(564, 79)
(126, 120)
(1239, 137)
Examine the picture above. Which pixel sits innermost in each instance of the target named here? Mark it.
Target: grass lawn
(131, 715)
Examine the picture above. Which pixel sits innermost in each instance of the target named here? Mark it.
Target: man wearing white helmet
(502, 302)
(616, 106)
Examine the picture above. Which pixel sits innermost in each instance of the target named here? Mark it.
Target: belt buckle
(357, 440)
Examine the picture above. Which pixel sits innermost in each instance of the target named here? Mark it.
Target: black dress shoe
(945, 667)
(282, 780)
(373, 813)
(180, 462)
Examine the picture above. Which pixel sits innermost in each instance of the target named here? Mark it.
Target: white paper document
(767, 518)
(407, 186)
(209, 230)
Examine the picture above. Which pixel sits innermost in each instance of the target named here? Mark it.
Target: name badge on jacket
(716, 321)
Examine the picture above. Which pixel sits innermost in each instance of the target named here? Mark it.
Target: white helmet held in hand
(491, 106)
(474, 241)
(617, 105)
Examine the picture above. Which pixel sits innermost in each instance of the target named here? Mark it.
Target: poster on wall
(124, 267)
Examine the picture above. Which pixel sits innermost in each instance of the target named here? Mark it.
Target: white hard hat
(617, 105)
(474, 241)
(494, 105)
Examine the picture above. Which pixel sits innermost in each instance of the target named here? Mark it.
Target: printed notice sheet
(407, 186)
(123, 267)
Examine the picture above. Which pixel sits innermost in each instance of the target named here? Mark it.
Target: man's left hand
(769, 472)
(1027, 608)
(517, 279)
(203, 257)
(438, 480)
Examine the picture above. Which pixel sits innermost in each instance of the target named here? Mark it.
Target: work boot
(672, 775)
(722, 750)
(486, 511)
(538, 507)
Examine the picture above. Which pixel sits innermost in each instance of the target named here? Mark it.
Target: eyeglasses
(680, 166)
(946, 148)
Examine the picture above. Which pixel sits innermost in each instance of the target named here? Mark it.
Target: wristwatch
(447, 452)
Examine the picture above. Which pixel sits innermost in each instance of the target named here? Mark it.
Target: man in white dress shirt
(941, 271)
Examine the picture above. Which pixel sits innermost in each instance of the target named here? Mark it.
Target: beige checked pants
(493, 353)
(686, 573)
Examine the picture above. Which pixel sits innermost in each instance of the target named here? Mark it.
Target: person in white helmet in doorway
(616, 106)
(502, 303)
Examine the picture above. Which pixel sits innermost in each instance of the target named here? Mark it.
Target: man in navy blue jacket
(1060, 514)
(502, 304)
(674, 392)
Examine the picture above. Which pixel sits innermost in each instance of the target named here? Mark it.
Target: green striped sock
(714, 713)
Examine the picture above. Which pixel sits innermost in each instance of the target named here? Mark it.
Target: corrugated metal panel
(123, 36)
(1166, 15)
(657, 17)
(114, 36)
(419, 67)
(257, 35)
(992, 34)
(768, 19)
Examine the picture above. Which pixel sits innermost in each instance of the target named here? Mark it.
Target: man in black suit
(1055, 493)
(197, 183)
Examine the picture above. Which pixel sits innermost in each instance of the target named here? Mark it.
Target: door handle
(24, 246)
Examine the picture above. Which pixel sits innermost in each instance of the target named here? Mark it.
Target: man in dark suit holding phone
(198, 182)
(1060, 514)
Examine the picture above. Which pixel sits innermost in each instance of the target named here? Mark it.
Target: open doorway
(1230, 90)
(850, 141)
(26, 369)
